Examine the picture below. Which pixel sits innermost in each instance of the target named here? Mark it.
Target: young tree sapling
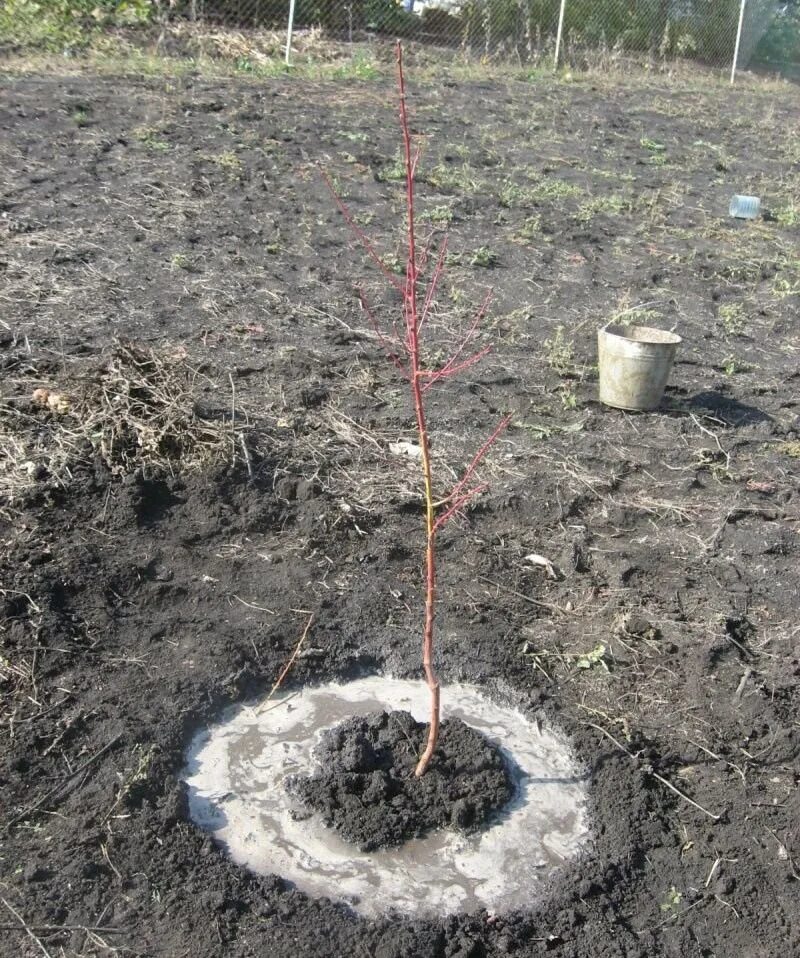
(402, 344)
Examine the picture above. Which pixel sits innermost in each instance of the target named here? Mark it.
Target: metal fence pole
(738, 41)
(559, 32)
(289, 30)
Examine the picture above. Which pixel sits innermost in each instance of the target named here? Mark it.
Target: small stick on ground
(26, 928)
(520, 595)
(233, 420)
(656, 776)
(57, 788)
(289, 664)
(250, 605)
(737, 695)
(666, 921)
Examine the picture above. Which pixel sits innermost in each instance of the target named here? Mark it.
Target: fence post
(558, 33)
(738, 42)
(289, 30)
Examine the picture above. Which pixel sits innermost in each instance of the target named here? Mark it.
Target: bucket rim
(642, 335)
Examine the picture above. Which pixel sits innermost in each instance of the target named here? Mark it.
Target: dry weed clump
(140, 408)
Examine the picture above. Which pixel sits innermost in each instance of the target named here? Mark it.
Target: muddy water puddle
(236, 769)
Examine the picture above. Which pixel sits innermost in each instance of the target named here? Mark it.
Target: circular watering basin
(236, 769)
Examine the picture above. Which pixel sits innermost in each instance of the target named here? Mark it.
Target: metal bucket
(745, 207)
(635, 362)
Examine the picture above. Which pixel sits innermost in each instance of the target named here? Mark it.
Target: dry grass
(16, 681)
(139, 409)
(142, 408)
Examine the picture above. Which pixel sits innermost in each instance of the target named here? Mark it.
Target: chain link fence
(757, 34)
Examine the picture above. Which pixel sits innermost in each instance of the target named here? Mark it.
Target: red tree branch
(361, 235)
(461, 501)
(381, 338)
(436, 276)
(479, 456)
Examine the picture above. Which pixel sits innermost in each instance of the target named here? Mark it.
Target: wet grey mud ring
(236, 771)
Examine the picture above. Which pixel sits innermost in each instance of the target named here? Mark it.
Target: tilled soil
(146, 587)
(364, 786)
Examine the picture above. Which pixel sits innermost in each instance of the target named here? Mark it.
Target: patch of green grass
(340, 187)
(783, 287)
(652, 146)
(787, 280)
(485, 257)
(228, 161)
(559, 352)
(150, 137)
(552, 188)
(657, 151)
(532, 74)
(547, 189)
(359, 67)
(613, 175)
(612, 205)
(392, 172)
(244, 65)
(459, 179)
(460, 150)
(788, 215)
(106, 59)
(636, 315)
(791, 449)
(355, 136)
(457, 296)
(26, 24)
(568, 395)
(672, 900)
(745, 270)
(262, 68)
(180, 261)
(733, 318)
(731, 365)
(108, 54)
(594, 658)
(438, 215)
(512, 195)
(393, 263)
(531, 228)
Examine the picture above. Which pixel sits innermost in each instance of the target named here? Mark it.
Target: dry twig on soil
(659, 778)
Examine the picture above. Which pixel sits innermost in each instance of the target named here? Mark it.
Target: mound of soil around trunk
(366, 790)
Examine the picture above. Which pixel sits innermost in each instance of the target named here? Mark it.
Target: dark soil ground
(365, 788)
(158, 553)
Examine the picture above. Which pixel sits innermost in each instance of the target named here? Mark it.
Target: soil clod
(366, 790)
